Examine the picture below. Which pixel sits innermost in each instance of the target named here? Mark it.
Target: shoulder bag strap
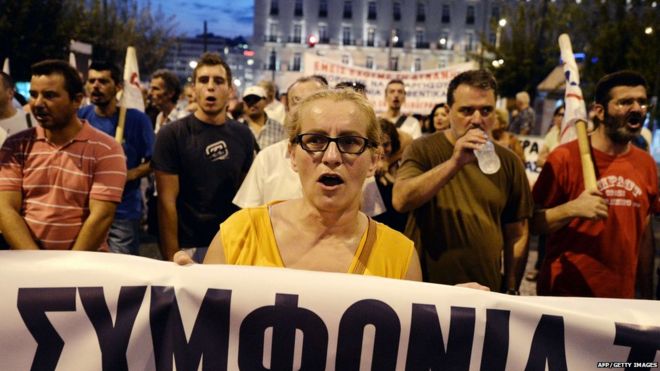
(361, 265)
(400, 121)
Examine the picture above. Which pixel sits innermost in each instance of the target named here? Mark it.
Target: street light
(648, 30)
(497, 63)
(498, 33)
(192, 64)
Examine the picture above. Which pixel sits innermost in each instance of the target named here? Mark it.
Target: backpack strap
(361, 265)
(28, 119)
(400, 121)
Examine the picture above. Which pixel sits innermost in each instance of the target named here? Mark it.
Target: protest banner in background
(424, 89)
(531, 146)
(64, 310)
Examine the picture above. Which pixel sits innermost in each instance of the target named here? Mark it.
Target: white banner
(65, 310)
(424, 89)
(132, 97)
(531, 146)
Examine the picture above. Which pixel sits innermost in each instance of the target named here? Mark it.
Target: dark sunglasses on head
(251, 99)
(357, 86)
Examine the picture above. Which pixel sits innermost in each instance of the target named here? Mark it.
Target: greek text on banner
(90, 311)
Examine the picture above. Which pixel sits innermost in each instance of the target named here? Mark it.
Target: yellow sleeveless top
(248, 239)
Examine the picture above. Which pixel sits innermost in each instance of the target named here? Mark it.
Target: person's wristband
(513, 292)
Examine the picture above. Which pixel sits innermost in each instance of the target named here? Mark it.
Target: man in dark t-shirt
(200, 162)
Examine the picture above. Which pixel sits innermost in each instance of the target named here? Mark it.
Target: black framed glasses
(351, 144)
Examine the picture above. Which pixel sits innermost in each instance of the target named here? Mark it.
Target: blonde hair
(523, 97)
(502, 117)
(294, 123)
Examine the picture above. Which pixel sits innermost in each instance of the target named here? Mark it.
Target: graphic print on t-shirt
(616, 189)
(217, 151)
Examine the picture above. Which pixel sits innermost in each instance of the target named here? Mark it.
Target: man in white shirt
(271, 177)
(395, 98)
(12, 120)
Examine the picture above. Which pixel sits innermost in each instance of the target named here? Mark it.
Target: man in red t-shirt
(600, 242)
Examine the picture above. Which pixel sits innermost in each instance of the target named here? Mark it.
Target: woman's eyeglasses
(351, 144)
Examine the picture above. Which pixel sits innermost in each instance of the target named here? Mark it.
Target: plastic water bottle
(488, 161)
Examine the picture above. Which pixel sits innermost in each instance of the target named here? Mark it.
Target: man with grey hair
(164, 94)
(523, 122)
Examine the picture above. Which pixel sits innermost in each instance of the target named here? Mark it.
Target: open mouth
(330, 180)
(635, 122)
(40, 115)
(211, 99)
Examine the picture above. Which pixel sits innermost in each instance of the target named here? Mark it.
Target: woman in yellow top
(334, 136)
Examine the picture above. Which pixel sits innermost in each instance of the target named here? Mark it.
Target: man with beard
(266, 130)
(200, 161)
(395, 97)
(61, 181)
(103, 83)
(600, 241)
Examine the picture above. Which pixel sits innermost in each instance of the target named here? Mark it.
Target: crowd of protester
(312, 178)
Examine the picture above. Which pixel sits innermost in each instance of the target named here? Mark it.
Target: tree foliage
(610, 33)
(34, 30)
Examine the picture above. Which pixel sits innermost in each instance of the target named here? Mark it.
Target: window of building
(492, 37)
(420, 40)
(395, 39)
(421, 12)
(370, 63)
(323, 8)
(296, 62)
(446, 14)
(443, 42)
(345, 59)
(298, 8)
(371, 11)
(272, 33)
(346, 35)
(272, 61)
(469, 15)
(495, 12)
(323, 34)
(297, 34)
(371, 36)
(274, 7)
(394, 63)
(469, 44)
(418, 64)
(396, 11)
(442, 63)
(348, 9)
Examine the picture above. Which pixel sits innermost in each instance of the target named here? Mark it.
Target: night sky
(224, 17)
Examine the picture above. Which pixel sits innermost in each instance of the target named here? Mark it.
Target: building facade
(235, 52)
(406, 35)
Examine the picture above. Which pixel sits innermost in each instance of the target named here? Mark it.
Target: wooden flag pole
(574, 93)
(119, 134)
